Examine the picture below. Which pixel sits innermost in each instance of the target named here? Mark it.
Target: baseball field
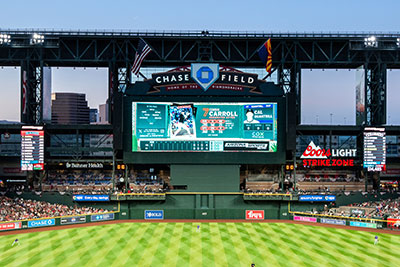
(213, 244)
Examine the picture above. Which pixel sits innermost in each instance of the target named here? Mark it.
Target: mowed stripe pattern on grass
(215, 244)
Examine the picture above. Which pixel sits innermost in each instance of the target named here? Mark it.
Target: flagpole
(144, 77)
(269, 74)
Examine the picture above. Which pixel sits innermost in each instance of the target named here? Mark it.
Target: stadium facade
(202, 127)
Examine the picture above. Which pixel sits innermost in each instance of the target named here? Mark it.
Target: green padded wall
(206, 178)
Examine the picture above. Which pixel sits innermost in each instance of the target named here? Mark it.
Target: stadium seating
(23, 209)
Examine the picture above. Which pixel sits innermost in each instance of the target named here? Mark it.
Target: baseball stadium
(200, 157)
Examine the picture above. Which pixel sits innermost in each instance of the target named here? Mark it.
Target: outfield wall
(205, 205)
(339, 220)
(230, 205)
(57, 221)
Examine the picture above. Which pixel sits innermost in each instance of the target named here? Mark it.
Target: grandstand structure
(34, 50)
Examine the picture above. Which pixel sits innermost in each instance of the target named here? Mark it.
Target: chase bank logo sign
(40, 223)
(204, 74)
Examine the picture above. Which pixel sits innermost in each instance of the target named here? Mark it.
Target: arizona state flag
(265, 54)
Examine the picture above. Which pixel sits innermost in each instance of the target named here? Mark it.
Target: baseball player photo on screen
(182, 122)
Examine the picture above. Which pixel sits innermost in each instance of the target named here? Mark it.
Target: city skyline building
(69, 108)
(94, 114)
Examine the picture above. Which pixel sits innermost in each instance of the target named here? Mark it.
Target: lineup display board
(32, 148)
(374, 149)
(204, 127)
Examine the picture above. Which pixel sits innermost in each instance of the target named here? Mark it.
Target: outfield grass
(217, 244)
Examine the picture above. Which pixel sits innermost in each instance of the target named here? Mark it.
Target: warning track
(61, 227)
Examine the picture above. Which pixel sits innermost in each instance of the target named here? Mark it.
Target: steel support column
(289, 80)
(31, 92)
(120, 80)
(375, 75)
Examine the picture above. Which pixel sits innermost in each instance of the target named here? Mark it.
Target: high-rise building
(93, 115)
(103, 114)
(69, 108)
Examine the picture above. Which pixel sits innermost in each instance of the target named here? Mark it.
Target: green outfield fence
(194, 206)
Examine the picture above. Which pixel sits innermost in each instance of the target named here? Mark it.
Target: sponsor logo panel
(91, 197)
(393, 223)
(304, 219)
(254, 215)
(333, 221)
(40, 223)
(9, 226)
(363, 224)
(72, 220)
(85, 165)
(317, 198)
(154, 214)
(102, 217)
(238, 145)
(316, 156)
(204, 74)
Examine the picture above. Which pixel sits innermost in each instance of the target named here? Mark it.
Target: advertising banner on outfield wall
(333, 221)
(304, 219)
(10, 226)
(40, 223)
(393, 223)
(153, 214)
(363, 224)
(254, 215)
(72, 220)
(102, 217)
(91, 197)
(317, 198)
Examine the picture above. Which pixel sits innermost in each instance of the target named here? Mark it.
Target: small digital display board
(204, 127)
(374, 149)
(32, 148)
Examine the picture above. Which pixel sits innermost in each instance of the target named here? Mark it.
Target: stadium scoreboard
(204, 127)
(374, 149)
(32, 148)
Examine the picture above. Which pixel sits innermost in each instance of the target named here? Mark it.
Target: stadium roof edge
(198, 33)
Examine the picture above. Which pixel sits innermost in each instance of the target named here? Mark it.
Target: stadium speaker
(291, 114)
(117, 121)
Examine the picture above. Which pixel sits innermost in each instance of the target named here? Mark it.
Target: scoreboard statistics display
(204, 127)
(32, 148)
(374, 149)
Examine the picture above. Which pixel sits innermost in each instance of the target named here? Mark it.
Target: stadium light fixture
(398, 42)
(37, 39)
(370, 42)
(5, 39)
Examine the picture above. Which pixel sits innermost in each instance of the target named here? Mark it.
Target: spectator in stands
(371, 209)
(23, 209)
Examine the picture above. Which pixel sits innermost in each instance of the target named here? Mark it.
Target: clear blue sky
(323, 92)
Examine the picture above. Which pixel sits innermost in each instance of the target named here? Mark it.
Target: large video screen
(204, 127)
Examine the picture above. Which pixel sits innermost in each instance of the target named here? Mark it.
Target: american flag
(141, 52)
